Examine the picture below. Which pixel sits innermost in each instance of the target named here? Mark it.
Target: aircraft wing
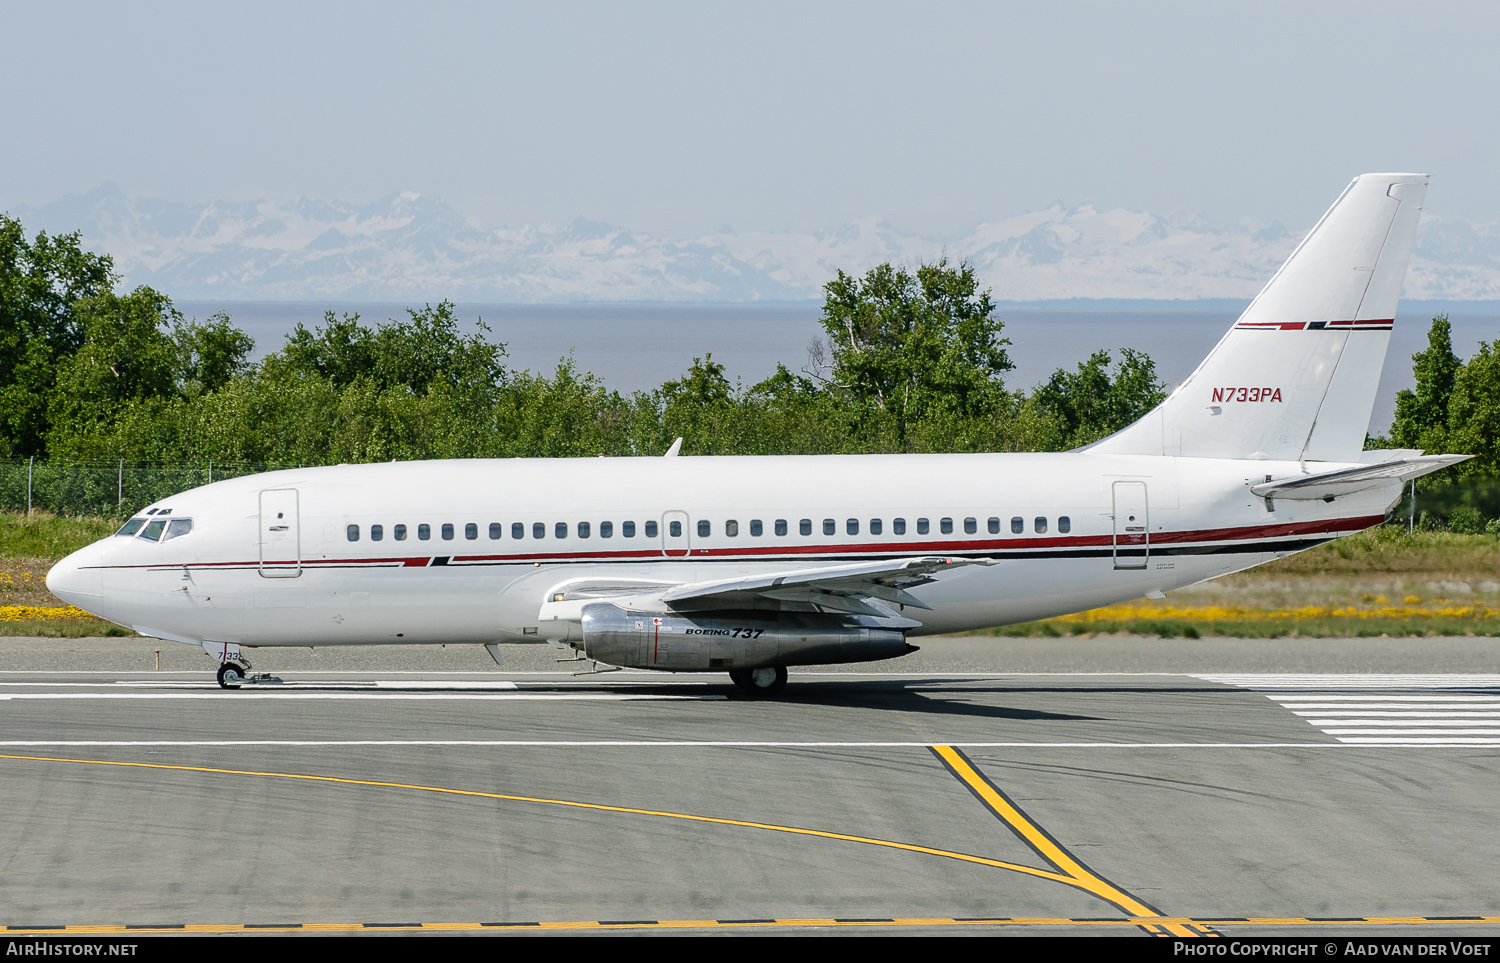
(835, 586)
(1345, 481)
(858, 587)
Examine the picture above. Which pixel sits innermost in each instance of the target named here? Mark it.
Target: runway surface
(901, 798)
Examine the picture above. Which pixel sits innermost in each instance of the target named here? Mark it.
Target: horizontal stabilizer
(1345, 481)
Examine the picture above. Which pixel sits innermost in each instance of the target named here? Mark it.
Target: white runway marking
(243, 695)
(1387, 710)
(652, 744)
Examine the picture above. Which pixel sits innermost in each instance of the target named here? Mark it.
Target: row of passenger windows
(518, 530)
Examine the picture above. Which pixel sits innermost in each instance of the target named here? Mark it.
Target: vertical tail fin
(1295, 378)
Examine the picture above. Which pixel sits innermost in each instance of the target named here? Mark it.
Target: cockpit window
(131, 527)
(178, 526)
(153, 528)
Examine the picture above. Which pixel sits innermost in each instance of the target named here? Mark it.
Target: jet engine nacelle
(751, 639)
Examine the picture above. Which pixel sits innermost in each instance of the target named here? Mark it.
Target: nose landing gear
(232, 675)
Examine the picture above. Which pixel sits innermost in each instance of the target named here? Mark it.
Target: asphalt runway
(938, 796)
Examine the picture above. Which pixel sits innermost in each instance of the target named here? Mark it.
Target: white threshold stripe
(1490, 733)
(242, 696)
(1415, 705)
(1321, 716)
(1451, 741)
(1290, 700)
(1331, 725)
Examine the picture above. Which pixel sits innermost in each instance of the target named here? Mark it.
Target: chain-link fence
(105, 489)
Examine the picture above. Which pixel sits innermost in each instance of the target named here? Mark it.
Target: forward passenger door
(280, 539)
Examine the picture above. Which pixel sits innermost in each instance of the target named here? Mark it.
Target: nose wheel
(759, 683)
(232, 675)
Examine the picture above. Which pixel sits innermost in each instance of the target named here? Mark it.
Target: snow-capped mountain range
(408, 246)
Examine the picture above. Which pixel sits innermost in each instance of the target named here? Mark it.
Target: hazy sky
(680, 118)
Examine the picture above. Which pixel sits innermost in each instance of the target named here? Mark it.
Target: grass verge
(40, 535)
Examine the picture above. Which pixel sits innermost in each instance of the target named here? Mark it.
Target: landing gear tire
(231, 675)
(759, 683)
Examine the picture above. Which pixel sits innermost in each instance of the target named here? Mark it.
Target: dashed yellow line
(1142, 922)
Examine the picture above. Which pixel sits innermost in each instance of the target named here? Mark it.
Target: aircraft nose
(78, 579)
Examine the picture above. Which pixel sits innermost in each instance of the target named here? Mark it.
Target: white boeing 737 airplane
(749, 565)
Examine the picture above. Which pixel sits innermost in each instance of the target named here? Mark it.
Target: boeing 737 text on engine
(750, 565)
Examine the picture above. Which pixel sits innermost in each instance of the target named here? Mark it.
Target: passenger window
(352, 532)
(994, 525)
(922, 526)
(805, 526)
(1040, 525)
(1064, 524)
(898, 526)
(731, 528)
(651, 529)
(946, 526)
(606, 529)
(178, 526)
(628, 529)
(377, 532)
(424, 531)
(584, 529)
(1017, 525)
(875, 526)
(780, 526)
(496, 530)
(675, 528)
(471, 531)
(538, 529)
(447, 531)
(851, 526)
(399, 532)
(756, 528)
(560, 530)
(703, 528)
(970, 526)
(131, 527)
(829, 526)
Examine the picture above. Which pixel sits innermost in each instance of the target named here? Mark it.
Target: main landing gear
(759, 683)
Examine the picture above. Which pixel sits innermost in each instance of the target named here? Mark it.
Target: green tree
(210, 354)
(1090, 403)
(905, 345)
(126, 357)
(1473, 411)
(413, 353)
(42, 282)
(1422, 413)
